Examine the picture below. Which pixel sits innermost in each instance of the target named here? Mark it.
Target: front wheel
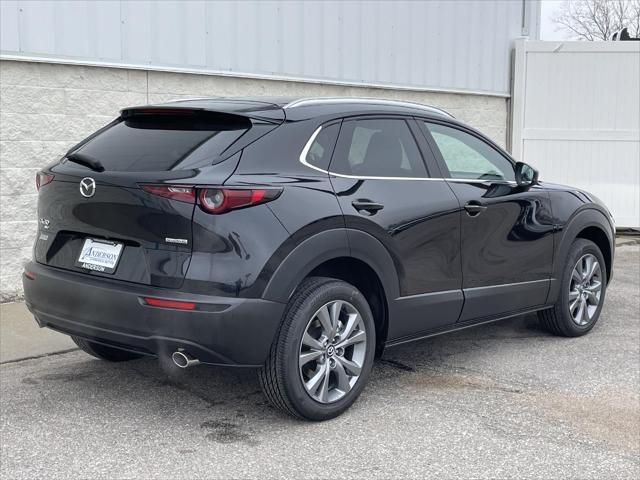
(323, 353)
(583, 288)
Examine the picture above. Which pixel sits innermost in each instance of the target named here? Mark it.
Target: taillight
(42, 179)
(221, 200)
(182, 194)
(215, 200)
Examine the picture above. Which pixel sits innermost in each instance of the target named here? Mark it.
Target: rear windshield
(165, 142)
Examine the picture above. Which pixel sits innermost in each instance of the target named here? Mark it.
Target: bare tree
(598, 19)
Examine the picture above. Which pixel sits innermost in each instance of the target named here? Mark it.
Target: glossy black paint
(576, 211)
(419, 226)
(129, 215)
(447, 254)
(110, 312)
(509, 242)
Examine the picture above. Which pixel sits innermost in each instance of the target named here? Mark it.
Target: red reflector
(42, 179)
(175, 192)
(29, 275)
(164, 303)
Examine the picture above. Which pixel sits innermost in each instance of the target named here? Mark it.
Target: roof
(377, 102)
(272, 108)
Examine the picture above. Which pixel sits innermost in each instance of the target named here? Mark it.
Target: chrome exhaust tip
(183, 360)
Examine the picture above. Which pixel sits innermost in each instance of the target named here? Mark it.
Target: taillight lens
(182, 194)
(215, 200)
(42, 179)
(221, 200)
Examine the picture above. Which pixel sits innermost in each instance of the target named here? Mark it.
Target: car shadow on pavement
(490, 365)
(234, 393)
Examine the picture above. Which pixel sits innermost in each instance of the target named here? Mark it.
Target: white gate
(576, 117)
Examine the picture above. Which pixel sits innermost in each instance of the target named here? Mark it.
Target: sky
(547, 27)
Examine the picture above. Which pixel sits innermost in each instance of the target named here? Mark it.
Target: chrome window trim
(371, 101)
(307, 147)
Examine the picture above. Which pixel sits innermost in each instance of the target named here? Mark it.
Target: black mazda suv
(302, 237)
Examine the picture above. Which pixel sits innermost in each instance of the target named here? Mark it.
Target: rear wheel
(103, 352)
(323, 353)
(583, 288)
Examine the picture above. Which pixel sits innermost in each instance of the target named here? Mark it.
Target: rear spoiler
(254, 111)
(260, 111)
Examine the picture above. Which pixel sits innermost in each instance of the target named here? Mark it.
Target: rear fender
(325, 246)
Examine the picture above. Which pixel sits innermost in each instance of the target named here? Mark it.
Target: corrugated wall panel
(136, 32)
(450, 45)
(9, 31)
(104, 20)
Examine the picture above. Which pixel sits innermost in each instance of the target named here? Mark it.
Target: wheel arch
(350, 255)
(598, 236)
(590, 224)
(366, 280)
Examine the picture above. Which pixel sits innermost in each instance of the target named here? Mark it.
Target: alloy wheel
(332, 351)
(585, 289)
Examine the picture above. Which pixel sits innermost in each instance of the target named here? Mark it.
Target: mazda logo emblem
(87, 187)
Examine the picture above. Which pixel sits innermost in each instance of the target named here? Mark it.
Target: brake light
(175, 192)
(158, 111)
(221, 200)
(165, 303)
(42, 179)
(215, 200)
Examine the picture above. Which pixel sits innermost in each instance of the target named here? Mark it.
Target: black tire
(103, 352)
(558, 320)
(280, 377)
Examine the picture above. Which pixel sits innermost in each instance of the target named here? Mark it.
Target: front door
(384, 188)
(507, 241)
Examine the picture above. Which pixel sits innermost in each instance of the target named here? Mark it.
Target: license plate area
(99, 255)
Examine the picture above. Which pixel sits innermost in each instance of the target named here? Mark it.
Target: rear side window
(319, 154)
(378, 148)
(165, 142)
(468, 157)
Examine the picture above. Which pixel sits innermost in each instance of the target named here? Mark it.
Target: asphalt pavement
(505, 400)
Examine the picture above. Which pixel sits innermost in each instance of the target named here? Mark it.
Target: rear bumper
(221, 330)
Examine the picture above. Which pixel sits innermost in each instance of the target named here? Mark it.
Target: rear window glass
(164, 142)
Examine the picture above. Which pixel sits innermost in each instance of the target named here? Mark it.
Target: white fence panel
(576, 117)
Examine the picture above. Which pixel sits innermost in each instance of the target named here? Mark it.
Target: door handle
(474, 208)
(367, 206)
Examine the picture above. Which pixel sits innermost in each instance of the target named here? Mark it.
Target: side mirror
(526, 175)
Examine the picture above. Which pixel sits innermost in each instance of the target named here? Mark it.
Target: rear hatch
(123, 207)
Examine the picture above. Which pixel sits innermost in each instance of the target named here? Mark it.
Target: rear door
(507, 242)
(384, 188)
(120, 220)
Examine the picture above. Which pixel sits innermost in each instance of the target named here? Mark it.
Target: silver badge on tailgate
(181, 241)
